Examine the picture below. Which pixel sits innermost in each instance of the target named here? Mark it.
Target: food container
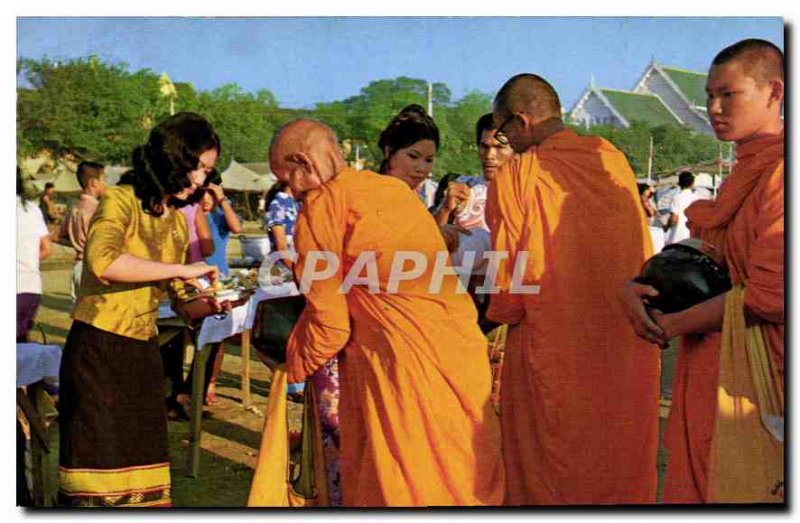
(685, 274)
(255, 247)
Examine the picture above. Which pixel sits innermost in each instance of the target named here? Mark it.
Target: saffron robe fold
(579, 404)
(745, 223)
(416, 419)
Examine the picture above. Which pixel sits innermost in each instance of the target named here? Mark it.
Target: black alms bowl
(685, 274)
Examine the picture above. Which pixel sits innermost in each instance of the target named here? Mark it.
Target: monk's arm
(700, 319)
(764, 286)
(324, 327)
(632, 296)
(764, 295)
(504, 307)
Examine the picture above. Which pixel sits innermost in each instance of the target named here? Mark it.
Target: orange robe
(416, 418)
(746, 224)
(579, 404)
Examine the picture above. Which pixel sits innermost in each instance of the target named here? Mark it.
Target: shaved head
(760, 59)
(305, 153)
(745, 90)
(531, 94)
(526, 111)
(303, 134)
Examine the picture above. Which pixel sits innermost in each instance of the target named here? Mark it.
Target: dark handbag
(685, 274)
(273, 324)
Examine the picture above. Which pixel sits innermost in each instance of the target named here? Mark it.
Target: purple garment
(27, 305)
(326, 386)
(195, 254)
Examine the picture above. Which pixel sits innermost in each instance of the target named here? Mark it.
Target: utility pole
(430, 99)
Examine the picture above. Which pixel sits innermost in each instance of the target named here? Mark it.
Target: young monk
(579, 404)
(745, 92)
(416, 420)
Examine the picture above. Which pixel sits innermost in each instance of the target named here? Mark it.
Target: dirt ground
(231, 434)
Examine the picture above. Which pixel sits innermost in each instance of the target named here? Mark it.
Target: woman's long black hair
(411, 125)
(160, 166)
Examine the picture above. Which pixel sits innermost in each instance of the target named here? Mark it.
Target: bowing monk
(579, 404)
(416, 421)
(717, 453)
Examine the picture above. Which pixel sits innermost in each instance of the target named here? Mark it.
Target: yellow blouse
(121, 226)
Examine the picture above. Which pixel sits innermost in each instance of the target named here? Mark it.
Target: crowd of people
(407, 417)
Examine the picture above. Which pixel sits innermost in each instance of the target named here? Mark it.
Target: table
(214, 329)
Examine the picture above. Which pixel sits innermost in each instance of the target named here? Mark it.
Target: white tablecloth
(215, 328)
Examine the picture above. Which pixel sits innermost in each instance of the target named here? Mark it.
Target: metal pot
(256, 247)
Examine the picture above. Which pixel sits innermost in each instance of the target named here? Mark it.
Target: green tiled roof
(635, 107)
(692, 84)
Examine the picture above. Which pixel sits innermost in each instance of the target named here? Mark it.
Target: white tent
(64, 180)
(707, 181)
(114, 173)
(247, 177)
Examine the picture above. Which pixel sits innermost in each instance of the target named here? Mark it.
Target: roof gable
(692, 84)
(641, 107)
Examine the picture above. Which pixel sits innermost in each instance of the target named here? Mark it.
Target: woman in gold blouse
(113, 428)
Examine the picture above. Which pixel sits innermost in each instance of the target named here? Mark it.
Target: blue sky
(307, 60)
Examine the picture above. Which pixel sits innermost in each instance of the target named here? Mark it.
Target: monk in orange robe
(745, 92)
(416, 419)
(579, 404)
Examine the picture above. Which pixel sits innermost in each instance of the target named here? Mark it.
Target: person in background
(280, 220)
(440, 199)
(261, 208)
(493, 155)
(676, 225)
(47, 204)
(222, 222)
(646, 195)
(33, 245)
(201, 244)
(113, 449)
(281, 216)
(75, 228)
(464, 204)
(409, 144)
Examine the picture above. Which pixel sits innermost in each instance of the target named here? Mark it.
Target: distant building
(663, 95)
(683, 91)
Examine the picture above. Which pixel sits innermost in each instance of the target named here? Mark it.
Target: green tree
(360, 119)
(674, 146)
(84, 107)
(677, 146)
(241, 119)
(459, 151)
